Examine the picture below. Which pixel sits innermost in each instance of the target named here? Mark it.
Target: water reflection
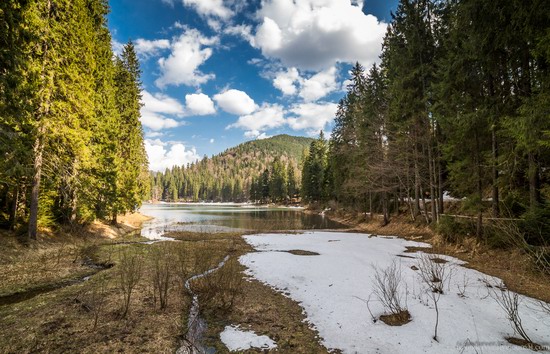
(226, 218)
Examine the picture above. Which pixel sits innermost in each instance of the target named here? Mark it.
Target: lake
(227, 218)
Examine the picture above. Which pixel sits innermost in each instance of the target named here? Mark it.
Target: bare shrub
(221, 287)
(388, 288)
(434, 275)
(129, 271)
(97, 297)
(539, 255)
(545, 306)
(162, 271)
(182, 263)
(509, 302)
(462, 288)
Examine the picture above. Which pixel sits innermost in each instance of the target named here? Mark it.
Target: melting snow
(333, 289)
(237, 339)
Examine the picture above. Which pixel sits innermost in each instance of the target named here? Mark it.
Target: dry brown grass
(266, 312)
(396, 319)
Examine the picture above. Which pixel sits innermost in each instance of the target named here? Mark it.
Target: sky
(216, 73)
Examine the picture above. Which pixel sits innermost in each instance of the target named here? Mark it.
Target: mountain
(267, 169)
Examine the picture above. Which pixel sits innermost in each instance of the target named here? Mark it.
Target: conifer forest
(155, 199)
(71, 142)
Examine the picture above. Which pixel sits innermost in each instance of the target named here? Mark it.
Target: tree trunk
(431, 171)
(38, 151)
(441, 206)
(385, 208)
(416, 188)
(13, 211)
(479, 227)
(534, 182)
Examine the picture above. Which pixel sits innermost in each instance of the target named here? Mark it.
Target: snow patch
(237, 339)
(333, 287)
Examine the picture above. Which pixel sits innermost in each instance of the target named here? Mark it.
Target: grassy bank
(135, 299)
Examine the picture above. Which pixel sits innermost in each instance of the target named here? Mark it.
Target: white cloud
(199, 104)
(290, 82)
(312, 117)
(286, 81)
(161, 103)
(147, 47)
(255, 134)
(151, 134)
(266, 117)
(235, 102)
(319, 85)
(316, 34)
(269, 36)
(207, 8)
(156, 121)
(244, 31)
(188, 52)
(117, 46)
(161, 158)
(154, 109)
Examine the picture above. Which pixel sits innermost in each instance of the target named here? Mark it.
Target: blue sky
(220, 72)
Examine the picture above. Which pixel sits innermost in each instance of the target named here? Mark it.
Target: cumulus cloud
(161, 103)
(156, 107)
(147, 47)
(290, 82)
(163, 155)
(319, 85)
(188, 52)
(244, 31)
(255, 134)
(266, 117)
(199, 104)
(314, 34)
(156, 121)
(286, 81)
(311, 117)
(208, 8)
(235, 102)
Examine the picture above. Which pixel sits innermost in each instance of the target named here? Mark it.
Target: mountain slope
(230, 175)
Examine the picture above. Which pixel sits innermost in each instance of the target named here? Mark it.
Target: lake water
(227, 218)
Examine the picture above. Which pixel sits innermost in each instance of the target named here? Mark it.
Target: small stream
(196, 326)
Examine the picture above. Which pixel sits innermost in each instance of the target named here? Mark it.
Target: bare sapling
(182, 266)
(510, 302)
(434, 275)
(462, 288)
(162, 271)
(388, 288)
(97, 297)
(129, 272)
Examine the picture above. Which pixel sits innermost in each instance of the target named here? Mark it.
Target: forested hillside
(460, 103)
(71, 146)
(267, 169)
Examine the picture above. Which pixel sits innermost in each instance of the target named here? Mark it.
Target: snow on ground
(237, 339)
(333, 287)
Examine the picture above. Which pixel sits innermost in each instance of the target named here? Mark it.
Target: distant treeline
(71, 146)
(260, 171)
(460, 103)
